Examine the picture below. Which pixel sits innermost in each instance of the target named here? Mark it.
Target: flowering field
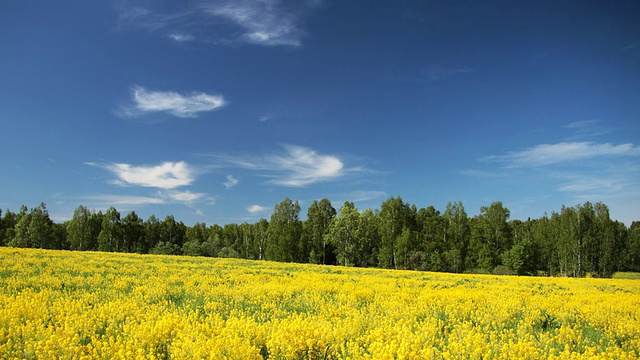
(56, 304)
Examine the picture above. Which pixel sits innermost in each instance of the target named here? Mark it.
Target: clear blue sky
(214, 111)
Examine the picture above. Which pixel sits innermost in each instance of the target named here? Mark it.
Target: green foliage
(577, 241)
(284, 232)
(319, 217)
(343, 234)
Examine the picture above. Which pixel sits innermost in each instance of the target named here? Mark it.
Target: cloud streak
(264, 22)
(180, 105)
(231, 182)
(303, 166)
(297, 166)
(168, 175)
(548, 154)
(127, 200)
(254, 209)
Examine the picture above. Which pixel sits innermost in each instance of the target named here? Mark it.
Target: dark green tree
(632, 257)
(110, 237)
(369, 239)
(20, 236)
(456, 236)
(319, 216)
(152, 232)
(394, 216)
(7, 232)
(490, 236)
(132, 232)
(284, 232)
(79, 229)
(39, 230)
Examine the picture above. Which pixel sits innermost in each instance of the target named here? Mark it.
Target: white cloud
(168, 175)
(547, 154)
(575, 172)
(125, 200)
(364, 195)
(231, 182)
(303, 166)
(297, 166)
(263, 22)
(254, 209)
(587, 128)
(185, 196)
(180, 105)
(181, 37)
(266, 117)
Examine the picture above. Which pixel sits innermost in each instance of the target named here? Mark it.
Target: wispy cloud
(146, 19)
(181, 37)
(166, 178)
(587, 128)
(297, 166)
(231, 182)
(365, 195)
(127, 200)
(263, 22)
(254, 209)
(304, 166)
(181, 105)
(185, 196)
(266, 117)
(547, 154)
(167, 175)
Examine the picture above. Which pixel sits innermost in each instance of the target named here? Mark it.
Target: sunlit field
(75, 305)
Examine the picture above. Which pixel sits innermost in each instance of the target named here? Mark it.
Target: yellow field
(70, 305)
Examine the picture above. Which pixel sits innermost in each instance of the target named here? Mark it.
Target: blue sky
(214, 111)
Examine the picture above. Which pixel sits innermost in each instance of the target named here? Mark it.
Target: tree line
(575, 241)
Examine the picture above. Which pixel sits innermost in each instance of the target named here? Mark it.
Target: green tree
(132, 232)
(456, 236)
(59, 236)
(394, 216)
(369, 239)
(195, 240)
(152, 231)
(247, 240)
(490, 236)
(432, 233)
(110, 237)
(171, 237)
(343, 234)
(261, 230)
(632, 258)
(319, 216)
(79, 229)
(7, 232)
(545, 241)
(39, 230)
(284, 232)
(2, 230)
(522, 257)
(20, 236)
